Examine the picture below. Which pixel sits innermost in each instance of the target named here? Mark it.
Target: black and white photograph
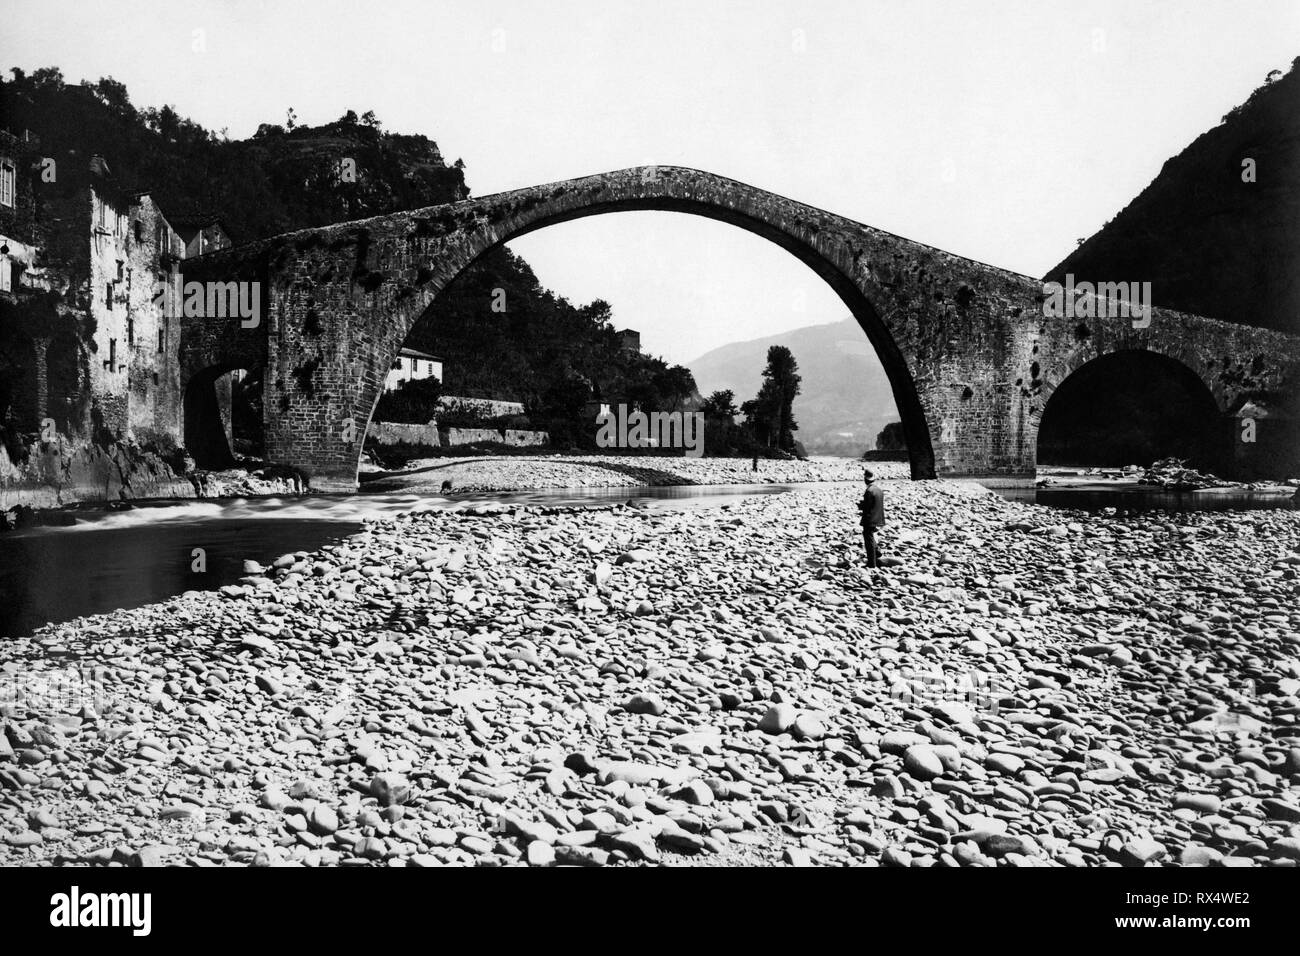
(470, 434)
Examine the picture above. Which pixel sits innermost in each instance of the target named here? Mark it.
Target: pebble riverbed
(716, 686)
(537, 472)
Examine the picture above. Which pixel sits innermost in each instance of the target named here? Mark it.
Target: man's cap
(866, 473)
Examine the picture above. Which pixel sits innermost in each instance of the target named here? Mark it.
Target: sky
(1002, 131)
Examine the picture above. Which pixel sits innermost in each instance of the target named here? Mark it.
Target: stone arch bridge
(969, 353)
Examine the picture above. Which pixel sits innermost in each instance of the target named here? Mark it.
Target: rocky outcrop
(62, 472)
(55, 474)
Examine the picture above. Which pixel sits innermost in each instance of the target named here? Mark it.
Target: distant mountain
(1217, 233)
(846, 398)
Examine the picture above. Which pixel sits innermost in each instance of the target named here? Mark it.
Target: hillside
(846, 398)
(1209, 242)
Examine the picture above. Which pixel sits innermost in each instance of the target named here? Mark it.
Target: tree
(756, 422)
(561, 406)
(414, 401)
(113, 94)
(721, 436)
(721, 405)
(891, 438)
(674, 384)
(368, 118)
(771, 414)
(47, 78)
(165, 121)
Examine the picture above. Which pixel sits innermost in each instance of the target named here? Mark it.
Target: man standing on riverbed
(872, 508)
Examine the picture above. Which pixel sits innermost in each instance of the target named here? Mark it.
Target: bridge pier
(333, 484)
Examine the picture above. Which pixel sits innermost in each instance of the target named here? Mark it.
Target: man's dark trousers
(869, 540)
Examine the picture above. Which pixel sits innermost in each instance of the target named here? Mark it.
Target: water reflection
(1135, 497)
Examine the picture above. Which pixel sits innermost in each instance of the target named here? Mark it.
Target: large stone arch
(693, 193)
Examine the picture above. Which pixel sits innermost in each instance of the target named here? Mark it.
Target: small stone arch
(205, 429)
(1087, 352)
(1188, 423)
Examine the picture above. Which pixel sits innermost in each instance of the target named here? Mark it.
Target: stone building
(412, 365)
(88, 353)
(201, 235)
(154, 252)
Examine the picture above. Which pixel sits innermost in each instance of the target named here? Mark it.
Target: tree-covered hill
(278, 180)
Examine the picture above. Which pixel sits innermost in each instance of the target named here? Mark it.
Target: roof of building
(416, 353)
(193, 223)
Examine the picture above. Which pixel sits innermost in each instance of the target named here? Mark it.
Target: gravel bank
(538, 472)
(1022, 687)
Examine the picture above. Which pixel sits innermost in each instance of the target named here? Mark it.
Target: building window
(112, 355)
(108, 294)
(8, 182)
(119, 270)
(139, 231)
(162, 340)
